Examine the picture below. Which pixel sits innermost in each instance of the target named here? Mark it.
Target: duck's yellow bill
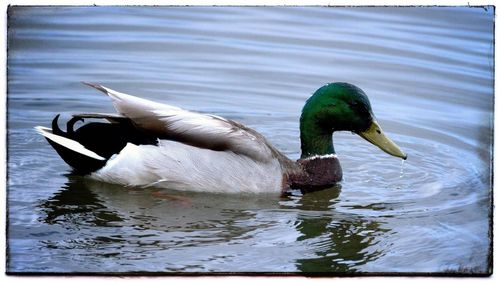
(376, 136)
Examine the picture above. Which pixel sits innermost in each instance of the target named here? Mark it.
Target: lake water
(429, 75)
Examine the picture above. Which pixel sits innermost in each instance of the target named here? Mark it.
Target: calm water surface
(428, 72)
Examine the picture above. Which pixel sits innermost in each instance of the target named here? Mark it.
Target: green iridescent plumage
(333, 107)
(339, 107)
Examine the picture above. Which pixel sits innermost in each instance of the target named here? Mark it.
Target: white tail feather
(68, 143)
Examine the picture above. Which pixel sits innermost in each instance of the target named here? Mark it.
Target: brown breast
(314, 173)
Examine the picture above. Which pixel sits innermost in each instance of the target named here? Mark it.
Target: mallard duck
(153, 144)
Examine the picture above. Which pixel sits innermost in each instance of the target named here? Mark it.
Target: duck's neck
(315, 140)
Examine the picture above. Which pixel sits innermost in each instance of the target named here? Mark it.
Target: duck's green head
(340, 107)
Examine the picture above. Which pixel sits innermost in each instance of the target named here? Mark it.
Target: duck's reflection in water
(341, 242)
(173, 230)
(76, 204)
(174, 219)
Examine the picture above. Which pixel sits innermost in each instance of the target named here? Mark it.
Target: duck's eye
(378, 131)
(358, 107)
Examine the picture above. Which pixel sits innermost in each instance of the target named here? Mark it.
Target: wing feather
(197, 129)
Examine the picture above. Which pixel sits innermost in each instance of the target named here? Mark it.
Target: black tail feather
(71, 123)
(55, 127)
(104, 139)
(81, 164)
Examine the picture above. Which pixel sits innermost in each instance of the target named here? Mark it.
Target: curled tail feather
(88, 148)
